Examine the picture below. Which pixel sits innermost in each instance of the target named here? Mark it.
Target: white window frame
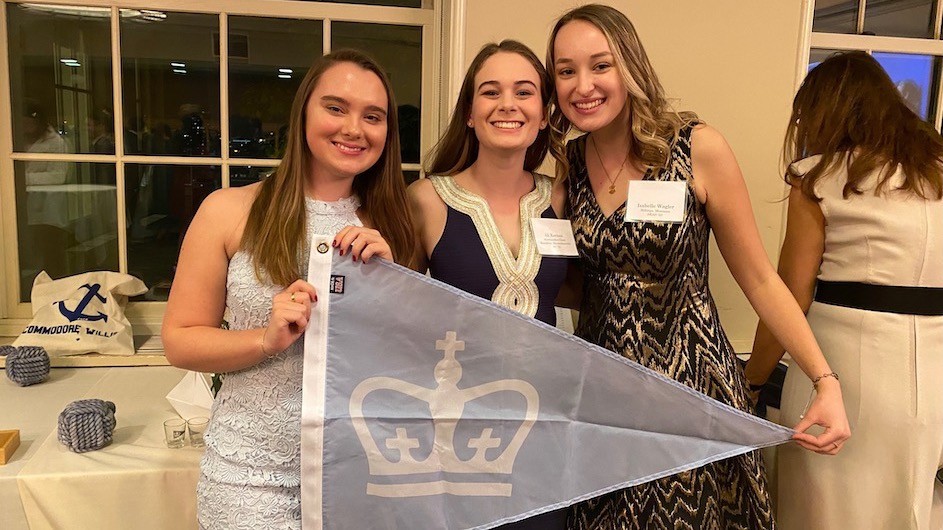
(146, 317)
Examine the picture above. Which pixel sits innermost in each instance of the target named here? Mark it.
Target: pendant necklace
(612, 181)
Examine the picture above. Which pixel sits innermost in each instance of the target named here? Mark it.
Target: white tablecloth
(136, 482)
(63, 204)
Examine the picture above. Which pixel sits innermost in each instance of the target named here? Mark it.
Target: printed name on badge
(554, 237)
(652, 201)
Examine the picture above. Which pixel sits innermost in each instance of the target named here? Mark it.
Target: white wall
(732, 62)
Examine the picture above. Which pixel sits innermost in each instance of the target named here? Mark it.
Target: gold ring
(292, 297)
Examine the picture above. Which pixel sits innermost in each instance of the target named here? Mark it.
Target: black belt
(884, 298)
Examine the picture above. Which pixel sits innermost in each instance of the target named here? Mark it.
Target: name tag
(554, 237)
(652, 201)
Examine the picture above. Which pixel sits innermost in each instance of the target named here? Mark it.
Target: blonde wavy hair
(654, 124)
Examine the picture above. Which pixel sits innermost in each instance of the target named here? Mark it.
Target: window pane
(268, 58)
(913, 75)
(411, 176)
(67, 227)
(241, 176)
(899, 18)
(835, 16)
(161, 201)
(817, 55)
(60, 78)
(398, 49)
(170, 83)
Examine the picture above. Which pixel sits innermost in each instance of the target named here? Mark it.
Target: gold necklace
(612, 181)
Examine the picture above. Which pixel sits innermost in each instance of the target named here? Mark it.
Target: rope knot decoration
(27, 365)
(87, 424)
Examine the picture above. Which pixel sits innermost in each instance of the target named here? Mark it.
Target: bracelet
(815, 381)
(262, 346)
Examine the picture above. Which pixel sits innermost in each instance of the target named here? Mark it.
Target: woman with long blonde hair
(645, 186)
(246, 252)
(863, 255)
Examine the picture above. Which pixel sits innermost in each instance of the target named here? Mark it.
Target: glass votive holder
(175, 432)
(197, 426)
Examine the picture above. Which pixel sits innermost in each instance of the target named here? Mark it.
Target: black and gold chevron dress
(645, 295)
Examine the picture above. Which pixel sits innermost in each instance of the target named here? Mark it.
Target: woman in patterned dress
(473, 212)
(246, 250)
(645, 289)
(863, 254)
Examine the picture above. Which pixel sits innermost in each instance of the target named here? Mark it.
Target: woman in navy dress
(473, 212)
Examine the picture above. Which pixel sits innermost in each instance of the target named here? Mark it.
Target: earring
(471, 123)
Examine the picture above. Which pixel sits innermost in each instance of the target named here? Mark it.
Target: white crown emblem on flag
(446, 404)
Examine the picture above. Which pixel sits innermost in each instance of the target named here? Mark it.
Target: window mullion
(224, 96)
(118, 113)
(859, 24)
(326, 36)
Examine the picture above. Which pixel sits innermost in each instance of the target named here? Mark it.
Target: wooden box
(9, 441)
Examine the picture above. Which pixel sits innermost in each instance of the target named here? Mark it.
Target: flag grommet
(323, 248)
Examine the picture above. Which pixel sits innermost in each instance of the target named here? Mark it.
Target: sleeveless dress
(472, 256)
(646, 296)
(251, 471)
(891, 369)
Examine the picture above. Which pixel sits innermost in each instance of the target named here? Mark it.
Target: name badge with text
(653, 201)
(554, 237)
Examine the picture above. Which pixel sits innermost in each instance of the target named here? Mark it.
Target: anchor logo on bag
(78, 312)
(446, 403)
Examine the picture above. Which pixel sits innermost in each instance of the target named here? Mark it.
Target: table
(135, 482)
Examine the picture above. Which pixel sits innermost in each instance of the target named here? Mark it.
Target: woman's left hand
(363, 243)
(827, 411)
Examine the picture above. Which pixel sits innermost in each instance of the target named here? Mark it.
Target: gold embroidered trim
(516, 287)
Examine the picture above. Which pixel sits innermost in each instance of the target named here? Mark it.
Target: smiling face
(346, 122)
(507, 110)
(590, 90)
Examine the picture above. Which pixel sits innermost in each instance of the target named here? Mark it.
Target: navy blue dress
(472, 256)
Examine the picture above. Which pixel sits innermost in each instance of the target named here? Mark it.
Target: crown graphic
(446, 404)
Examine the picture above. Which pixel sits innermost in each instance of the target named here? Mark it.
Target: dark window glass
(398, 49)
(241, 176)
(160, 202)
(914, 77)
(411, 176)
(817, 55)
(265, 71)
(899, 18)
(170, 84)
(65, 225)
(60, 79)
(835, 16)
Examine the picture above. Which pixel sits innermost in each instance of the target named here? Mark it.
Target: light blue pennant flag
(426, 407)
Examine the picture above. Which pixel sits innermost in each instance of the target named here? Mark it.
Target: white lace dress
(251, 471)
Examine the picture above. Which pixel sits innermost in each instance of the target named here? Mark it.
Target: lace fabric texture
(251, 471)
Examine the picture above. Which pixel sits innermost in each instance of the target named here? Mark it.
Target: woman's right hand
(291, 310)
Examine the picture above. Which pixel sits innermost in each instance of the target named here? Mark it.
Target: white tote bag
(82, 314)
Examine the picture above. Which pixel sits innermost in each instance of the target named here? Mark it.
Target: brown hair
(458, 147)
(275, 229)
(653, 123)
(847, 106)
